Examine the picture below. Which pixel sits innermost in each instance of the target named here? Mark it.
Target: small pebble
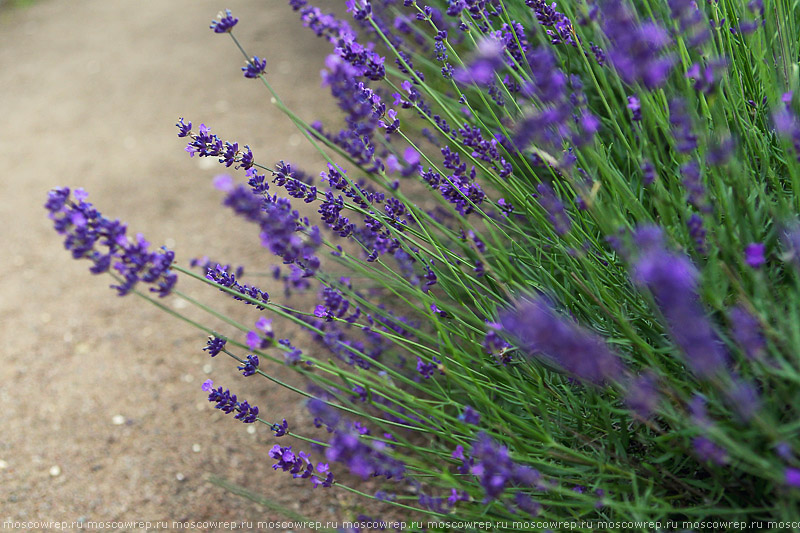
(207, 368)
(55, 471)
(196, 448)
(118, 420)
(251, 429)
(3, 464)
(179, 476)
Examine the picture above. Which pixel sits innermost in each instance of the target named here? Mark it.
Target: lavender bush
(572, 253)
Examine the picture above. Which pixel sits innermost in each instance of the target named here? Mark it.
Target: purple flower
(228, 403)
(636, 108)
(221, 277)
(708, 451)
(254, 67)
(384, 496)
(363, 460)
(637, 50)
(427, 369)
(299, 465)
(705, 79)
(208, 385)
(754, 255)
(215, 345)
(391, 124)
(746, 330)
(482, 68)
(280, 429)
(547, 16)
(249, 366)
(554, 208)
(541, 333)
(470, 416)
(279, 226)
(495, 469)
(526, 503)
(699, 412)
(744, 399)
(792, 477)
(681, 122)
(224, 23)
(697, 233)
(672, 279)
(89, 235)
(550, 82)
(643, 395)
(360, 9)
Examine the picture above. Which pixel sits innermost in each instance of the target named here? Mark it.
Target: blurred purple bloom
(470, 416)
(495, 469)
(635, 106)
(681, 122)
(672, 279)
(362, 459)
(743, 397)
(643, 396)
(754, 255)
(481, 69)
(746, 330)
(792, 477)
(697, 233)
(708, 451)
(706, 78)
(638, 51)
(555, 209)
(542, 333)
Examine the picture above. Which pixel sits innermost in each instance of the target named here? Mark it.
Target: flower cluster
(228, 403)
(221, 277)
(90, 235)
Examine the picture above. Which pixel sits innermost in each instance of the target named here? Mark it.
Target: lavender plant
(572, 252)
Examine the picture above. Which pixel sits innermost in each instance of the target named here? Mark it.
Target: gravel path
(103, 417)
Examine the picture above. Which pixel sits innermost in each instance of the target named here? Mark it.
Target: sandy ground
(103, 417)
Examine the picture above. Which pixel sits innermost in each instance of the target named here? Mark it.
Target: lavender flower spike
(540, 332)
(673, 281)
(90, 235)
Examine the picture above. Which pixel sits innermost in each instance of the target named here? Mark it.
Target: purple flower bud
(215, 345)
(254, 67)
(470, 416)
(635, 107)
(224, 23)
